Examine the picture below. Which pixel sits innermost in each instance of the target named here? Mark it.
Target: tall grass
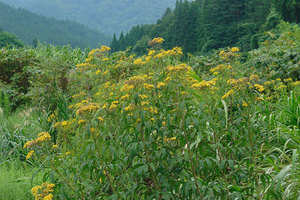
(15, 181)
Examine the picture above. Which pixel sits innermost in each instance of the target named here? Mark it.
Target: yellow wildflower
(81, 121)
(281, 87)
(157, 40)
(288, 80)
(93, 130)
(104, 49)
(64, 123)
(48, 197)
(245, 104)
(151, 53)
(227, 94)
(106, 72)
(29, 144)
(254, 78)
(98, 72)
(260, 88)
(88, 108)
(234, 49)
(125, 97)
(296, 83)
(138, 62)
(160, 84)
(259, 99)
(148, 86)
(113, 106)
(29, 154)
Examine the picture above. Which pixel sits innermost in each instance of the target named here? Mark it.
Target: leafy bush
(152, 127)
(8, 40)
(279, 54)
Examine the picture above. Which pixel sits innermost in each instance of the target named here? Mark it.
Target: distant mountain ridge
(29, 27)
(109, 16)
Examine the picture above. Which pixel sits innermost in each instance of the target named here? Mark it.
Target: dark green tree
(7, 39)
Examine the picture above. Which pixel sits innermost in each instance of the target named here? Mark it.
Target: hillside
(200, 26)
(29, 26)
(105, 15)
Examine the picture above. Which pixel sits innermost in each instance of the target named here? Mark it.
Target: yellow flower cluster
(92, 52)
(88, 108)
(157, 40)
(225, 96)
(139, 61)
(204, 84)
(160, 85)
(130, 108)
(42, 137)
(51, 118)
(174, 52)
(113, 105)
(29, 154)
(104, 49)
(234, 49)
(148, 86)
(43, 192)
(254, 78)
(220, 68)
(137, 80)
(178, 68)
(296, 83)
(260, 88)
(125, 97)
(79, 95)
(238, 82)
(127, 87)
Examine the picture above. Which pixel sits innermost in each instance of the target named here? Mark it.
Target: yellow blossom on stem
(234, 49)
(245, 104)
(160, 85)
(260, 88)
(227, 94)
(100, 119)
(104, 49)
(29, 155)
(81, 121)
(259, 99)
(148, 86)
(125, 97)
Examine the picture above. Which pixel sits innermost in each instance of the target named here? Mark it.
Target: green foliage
(122, 126)
(29, 26)
(278, 55)
(15, 181)
(201, 26)
(9, 40)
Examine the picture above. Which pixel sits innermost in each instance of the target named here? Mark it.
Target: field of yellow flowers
(157, 127)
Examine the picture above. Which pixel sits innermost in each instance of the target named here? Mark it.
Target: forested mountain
(203, 25)
(31, 27)
(106, 15)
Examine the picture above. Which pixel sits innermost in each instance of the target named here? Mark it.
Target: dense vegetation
(9, 40)
(202, 25)
(106, 15)
(100, 125)
(31, 27)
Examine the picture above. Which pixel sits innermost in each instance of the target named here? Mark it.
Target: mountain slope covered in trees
(202, 25)
(29, 27)
(105, 15)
